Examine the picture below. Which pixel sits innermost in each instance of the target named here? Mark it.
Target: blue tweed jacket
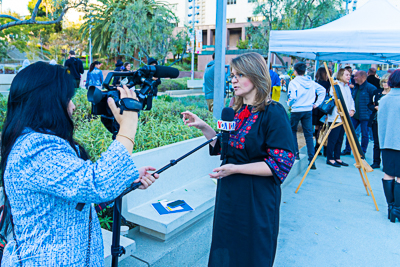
(44, 180)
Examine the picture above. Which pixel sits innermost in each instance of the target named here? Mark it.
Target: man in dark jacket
(372, 78)
(362, 93)
(75, 67)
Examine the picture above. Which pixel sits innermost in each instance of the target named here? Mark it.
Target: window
(230, 20)
(259, 18)
(231, 2)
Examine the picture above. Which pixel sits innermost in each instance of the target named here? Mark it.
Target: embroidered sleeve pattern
(280, 161)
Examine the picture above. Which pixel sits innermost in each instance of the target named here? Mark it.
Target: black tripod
(117, 250)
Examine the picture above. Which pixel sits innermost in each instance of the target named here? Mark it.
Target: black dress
(246, 216)
(316, 113)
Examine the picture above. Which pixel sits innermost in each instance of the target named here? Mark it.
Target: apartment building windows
(231, 20)
(259, 18)
(231, 2)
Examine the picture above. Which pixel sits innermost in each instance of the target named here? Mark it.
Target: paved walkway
(332, 222)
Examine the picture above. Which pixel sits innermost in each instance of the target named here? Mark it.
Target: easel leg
(369, 187)
(317, 152)
(365, 185)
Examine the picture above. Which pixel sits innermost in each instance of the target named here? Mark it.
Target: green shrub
(158, 127)
(173, 84)
(3, 109)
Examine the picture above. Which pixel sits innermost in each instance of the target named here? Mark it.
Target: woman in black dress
(259, 158)
(321, 78)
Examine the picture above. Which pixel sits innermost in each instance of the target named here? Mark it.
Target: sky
(21, 6)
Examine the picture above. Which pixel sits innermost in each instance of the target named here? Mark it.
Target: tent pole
(316, 65)
(269, 59)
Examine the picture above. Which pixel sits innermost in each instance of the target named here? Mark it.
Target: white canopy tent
(368, 35)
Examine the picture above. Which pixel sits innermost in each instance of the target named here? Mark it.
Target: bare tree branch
(9, 17)
(32, 20)
(35, 10)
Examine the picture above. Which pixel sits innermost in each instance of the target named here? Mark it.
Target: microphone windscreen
(228, 114)
(166, 72)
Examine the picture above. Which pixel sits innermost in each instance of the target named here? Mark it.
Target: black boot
(395, 213)
(388, 188)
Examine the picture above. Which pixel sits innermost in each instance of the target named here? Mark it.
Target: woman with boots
(389, 141)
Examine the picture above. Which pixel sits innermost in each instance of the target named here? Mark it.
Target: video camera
(148, 89)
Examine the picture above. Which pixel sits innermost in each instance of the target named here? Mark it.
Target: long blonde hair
(253, 66)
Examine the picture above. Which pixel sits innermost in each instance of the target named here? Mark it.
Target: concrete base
(127, 243)
(184, 250)
(195, 84)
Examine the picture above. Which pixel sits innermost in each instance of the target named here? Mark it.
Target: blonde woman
(373, 122)
(335, 138)
(259, 157)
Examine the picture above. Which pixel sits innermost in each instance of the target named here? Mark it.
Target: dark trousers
(364, 134)
(377, 150)
(306, 121)
(77, 82)
(335, 141)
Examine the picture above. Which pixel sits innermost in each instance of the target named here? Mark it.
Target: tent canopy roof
(370, 34)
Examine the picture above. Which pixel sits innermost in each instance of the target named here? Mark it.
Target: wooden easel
(361, 164)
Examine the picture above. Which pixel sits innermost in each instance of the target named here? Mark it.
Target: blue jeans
(364, 135)
(306, 121)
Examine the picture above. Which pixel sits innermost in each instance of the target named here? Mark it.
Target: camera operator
(45, 173)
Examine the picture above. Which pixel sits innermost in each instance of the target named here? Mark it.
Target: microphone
(166, 72)
(226, 125)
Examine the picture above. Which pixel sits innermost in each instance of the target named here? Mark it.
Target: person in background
(260, 154)
(389, 142)
(373, 120)
(208, 85)
(352, 82)
(302, 91)
(276, 84)
(322, 79)
(25, 64)
(152, 62)
(94, 75)
(127, 66)
(372, 79)
(75, 67)
(53, 62)
(335, 138)
(362, 93)
(119, 66)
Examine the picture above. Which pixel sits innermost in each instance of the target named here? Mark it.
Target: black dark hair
(91, 68)
(72, 52)
(300, 68)
(321, 74)
(394, 79)
(38, 100)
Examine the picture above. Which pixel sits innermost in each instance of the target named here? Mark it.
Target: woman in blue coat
(94, 76)
(45, 173)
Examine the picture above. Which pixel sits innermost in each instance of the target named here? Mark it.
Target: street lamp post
(90, 40)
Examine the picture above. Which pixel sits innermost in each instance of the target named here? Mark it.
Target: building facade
(239, 15)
